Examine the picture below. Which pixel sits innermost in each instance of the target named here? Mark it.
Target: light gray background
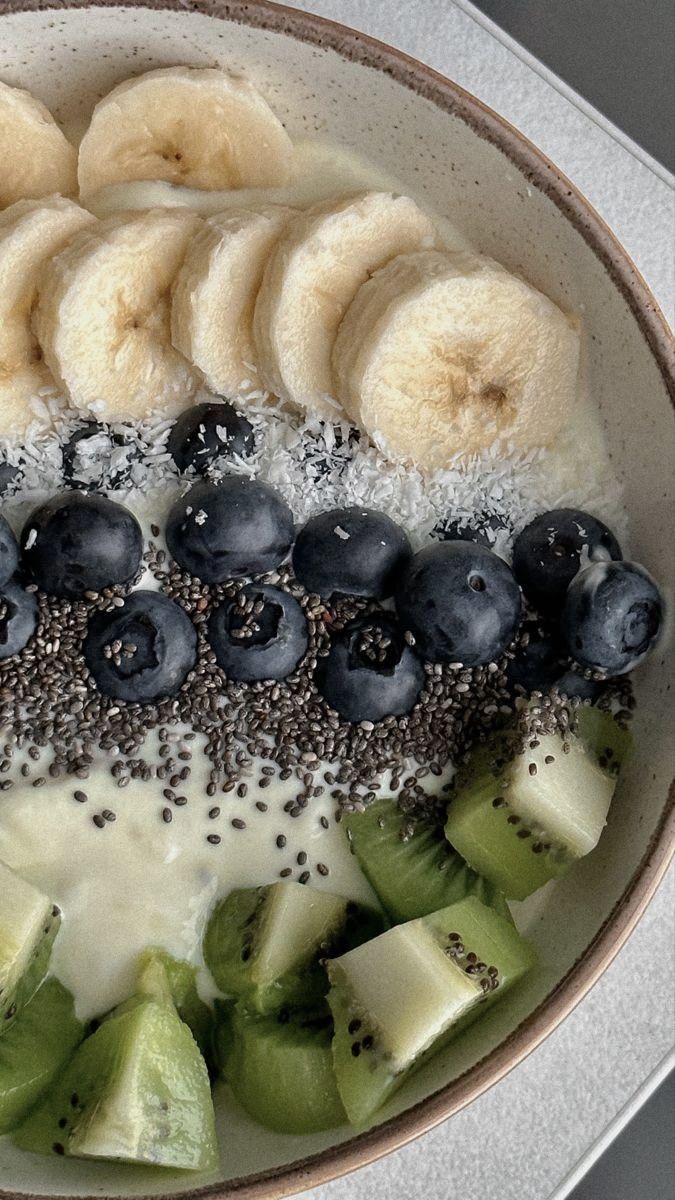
(522, 1139)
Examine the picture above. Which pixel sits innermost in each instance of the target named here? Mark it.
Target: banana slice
(31, 232)
(37, 159)
(311, 278)
(215, 291)
(103, 316)
(444, 354)
(195, 126)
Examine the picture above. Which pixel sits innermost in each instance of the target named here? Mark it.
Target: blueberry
(552, 548)
(330, 451)
(612, 616)
(370, 672)
(18, 618)
(351, 552)
(538, 662)
(461, 602)
(96, 456)
(574, 686)
(9, 478)
(486, 529)
(263, 638)
(541, 664)
(235, 527)
(158, 648)
(207, 432)
(77, 543)
(9, 552)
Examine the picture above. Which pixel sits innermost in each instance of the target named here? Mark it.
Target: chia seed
(50, 700)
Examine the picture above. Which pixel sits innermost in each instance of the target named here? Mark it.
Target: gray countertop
(524, 1139)
(616, 53)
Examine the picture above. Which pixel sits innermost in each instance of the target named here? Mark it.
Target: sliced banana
(31, 232)
(444, 354)
(36, 157)
(201, 127)
(311, 278)
(215, 292)
(103, 316)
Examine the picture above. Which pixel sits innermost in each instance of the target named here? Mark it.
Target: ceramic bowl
(513, 204)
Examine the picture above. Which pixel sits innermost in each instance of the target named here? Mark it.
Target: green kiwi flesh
(413, 871)
(28, 925)
(35, 1049)
(280, 1069)
(522, 823)
(610, 742)
(159, 972)
(399, 998)
(264, 945)
(137, 1090)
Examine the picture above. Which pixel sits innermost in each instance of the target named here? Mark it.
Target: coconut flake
(318, 465)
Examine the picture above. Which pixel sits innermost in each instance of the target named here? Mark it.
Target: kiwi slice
(521, 820)
(35, 1049)
(280, 1069)
(396, 1000)
(413, 871)
(158, 972)
(137, 1090)
(265, 945)
(28, 925)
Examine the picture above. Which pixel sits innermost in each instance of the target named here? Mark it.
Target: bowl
(512, 203)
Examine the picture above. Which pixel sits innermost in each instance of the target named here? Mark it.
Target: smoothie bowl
(336, 495)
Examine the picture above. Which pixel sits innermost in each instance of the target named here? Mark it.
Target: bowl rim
(540, 172)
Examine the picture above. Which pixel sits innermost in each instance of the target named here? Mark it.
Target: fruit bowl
(511, 203)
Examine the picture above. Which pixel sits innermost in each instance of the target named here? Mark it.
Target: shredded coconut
(319, 465)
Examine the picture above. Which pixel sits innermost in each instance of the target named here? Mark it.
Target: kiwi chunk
(28, 925)
(500, 845)
(521, 820)
(411, 867)
(137, 1090)
(221, 1036)
(280, 1069)
(159, 972)
(265, 944)
(35, 1049)
(396, 1000)
(610, 742)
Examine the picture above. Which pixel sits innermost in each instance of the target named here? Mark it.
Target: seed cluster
(367, 1042)
(375, 644)
(486, 976)
(243, 623)
(48, 698)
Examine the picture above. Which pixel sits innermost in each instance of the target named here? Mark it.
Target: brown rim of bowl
(541, 173)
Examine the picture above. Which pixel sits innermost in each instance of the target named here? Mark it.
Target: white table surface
(524, 1138)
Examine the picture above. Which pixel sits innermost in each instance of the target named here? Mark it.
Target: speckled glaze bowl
(513, 204)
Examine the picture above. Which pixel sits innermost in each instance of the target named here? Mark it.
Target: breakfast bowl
(378, 119)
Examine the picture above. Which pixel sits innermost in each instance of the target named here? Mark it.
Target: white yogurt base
(140, 882)
(321, 171)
